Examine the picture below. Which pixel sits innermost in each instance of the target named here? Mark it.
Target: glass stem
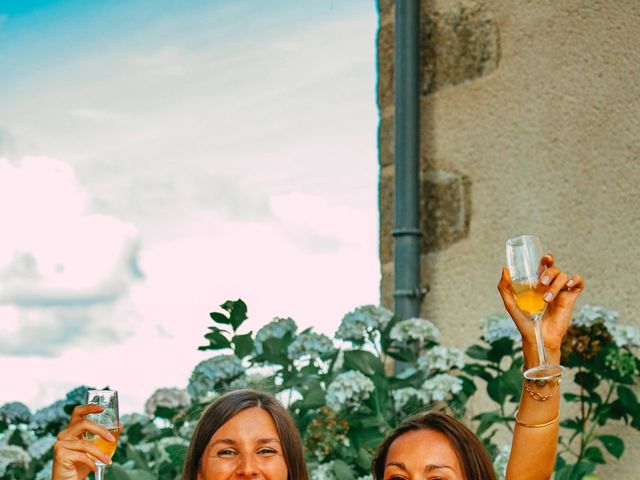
(537, 329)
(99, 475)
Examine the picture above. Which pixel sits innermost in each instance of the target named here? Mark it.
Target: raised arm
(535, 437)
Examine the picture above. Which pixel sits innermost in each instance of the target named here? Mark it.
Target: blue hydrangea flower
(15, 413)
(349, 390)
(12, 455)
(441, 358)
(41, 446)
(213, 373)
(497, 326)
(174, 398)
(358, 325)
(309, 344)
(437, 388)
(277, 328)
(414, 330)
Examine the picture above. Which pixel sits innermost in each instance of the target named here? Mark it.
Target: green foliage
(344, 394)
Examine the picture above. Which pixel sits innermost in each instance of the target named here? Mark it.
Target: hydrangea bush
(345, 394)
(601, 356)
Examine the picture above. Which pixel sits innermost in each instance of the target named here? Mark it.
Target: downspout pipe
(406, 233)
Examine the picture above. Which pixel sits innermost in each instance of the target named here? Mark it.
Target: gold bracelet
(535, 425)
(538, 396)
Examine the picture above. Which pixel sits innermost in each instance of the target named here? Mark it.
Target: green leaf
(594, 454)
(501, 348)
(364, 362)
(137, 457)
(613, 444)
(243, 344)
(217, 341)
(177, 453)
(628, 398)
(165, 412)
(219, 318)
(571, 397)
(237, 312)
(343, 471)
(478, 352)
(487, 420)
(588, 380)
(572, 423)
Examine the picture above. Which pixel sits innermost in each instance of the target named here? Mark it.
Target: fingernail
(111, 438)
(548, 296)
(570, 283)
(545, 280)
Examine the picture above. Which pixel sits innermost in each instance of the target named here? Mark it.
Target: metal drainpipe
(406, 232)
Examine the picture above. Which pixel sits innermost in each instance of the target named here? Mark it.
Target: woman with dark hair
(245, 434)
(242, 434)
(437, 446)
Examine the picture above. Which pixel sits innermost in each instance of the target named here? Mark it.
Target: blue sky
(157, 158)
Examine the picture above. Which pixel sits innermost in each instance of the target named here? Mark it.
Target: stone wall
(530, 118)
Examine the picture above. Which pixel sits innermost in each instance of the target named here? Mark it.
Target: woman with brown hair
(436, 446)
(245, 434)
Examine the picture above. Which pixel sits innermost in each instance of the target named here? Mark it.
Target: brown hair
(230, 404)
(473, 458)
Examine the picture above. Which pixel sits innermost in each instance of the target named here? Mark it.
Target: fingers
(559, 282)
(547, 261)
(81, 410)
(75, 451)
(78, 429)
(575, 283)
(504, 287)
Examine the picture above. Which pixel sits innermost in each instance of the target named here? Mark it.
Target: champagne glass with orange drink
(524, 259)
(109, 419)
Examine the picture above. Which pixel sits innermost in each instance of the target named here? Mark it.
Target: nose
(247, 467)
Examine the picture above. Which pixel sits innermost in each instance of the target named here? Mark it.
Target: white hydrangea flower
(497, 326)
(12, 455)
(323, 471)
(624, 335)
(174, 398)
(210, 373)
(590, 314)
(349, 389)
(309, 344)
(402, 396)
(501, 460)
(41, 446)
(365, 477)
(45, 472)
(277, 328)
(441, 358)
(357, 325)
(171, 441)
(439, 386)
(414, 330)
(16, 412)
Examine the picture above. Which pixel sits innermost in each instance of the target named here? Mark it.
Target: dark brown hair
(473, 458)
(232, 403)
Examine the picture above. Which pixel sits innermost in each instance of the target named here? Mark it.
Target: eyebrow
(260, 441)
(428, 468)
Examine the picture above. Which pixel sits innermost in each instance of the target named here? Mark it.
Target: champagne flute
(524, 259)
(109, 419)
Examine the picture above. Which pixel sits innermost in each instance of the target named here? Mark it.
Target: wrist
(531, 357)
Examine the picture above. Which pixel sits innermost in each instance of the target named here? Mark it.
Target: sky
(160, 157)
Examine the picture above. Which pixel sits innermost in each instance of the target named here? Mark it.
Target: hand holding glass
(109, 419)
(524, 259)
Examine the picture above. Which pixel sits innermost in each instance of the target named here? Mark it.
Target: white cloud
(62, 268)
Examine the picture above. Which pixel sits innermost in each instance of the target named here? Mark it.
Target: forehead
(419, 448)
(249, 424)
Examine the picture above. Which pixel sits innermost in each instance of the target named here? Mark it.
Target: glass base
(543, 373)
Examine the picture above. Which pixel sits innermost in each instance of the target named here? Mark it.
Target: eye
(267, 451)
(227, 452)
